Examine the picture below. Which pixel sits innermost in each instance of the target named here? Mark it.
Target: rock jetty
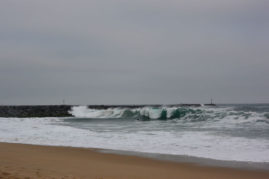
(63, 110)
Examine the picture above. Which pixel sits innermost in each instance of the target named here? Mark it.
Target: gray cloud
(150, 51)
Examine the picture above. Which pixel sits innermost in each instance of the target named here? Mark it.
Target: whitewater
(223, 132)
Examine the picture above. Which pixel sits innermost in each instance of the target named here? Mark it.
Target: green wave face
(191, 114)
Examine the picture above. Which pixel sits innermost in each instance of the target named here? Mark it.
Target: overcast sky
(131, 52)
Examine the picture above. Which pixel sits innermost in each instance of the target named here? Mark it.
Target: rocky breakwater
(63, 110)
(35, 111)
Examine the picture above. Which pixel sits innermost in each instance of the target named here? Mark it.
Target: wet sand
(32, 161)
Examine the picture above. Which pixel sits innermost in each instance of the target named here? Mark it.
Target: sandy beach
(31, 161)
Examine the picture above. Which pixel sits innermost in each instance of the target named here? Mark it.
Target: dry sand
(30, 161)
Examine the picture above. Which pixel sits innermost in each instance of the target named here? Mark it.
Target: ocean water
(224, 132)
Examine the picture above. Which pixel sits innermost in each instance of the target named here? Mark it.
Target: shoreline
(35, 161)
(193, 160)
(245, 165)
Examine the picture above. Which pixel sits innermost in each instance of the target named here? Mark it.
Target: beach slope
(31, 161)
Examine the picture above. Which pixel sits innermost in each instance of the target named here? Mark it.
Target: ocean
(223, 132)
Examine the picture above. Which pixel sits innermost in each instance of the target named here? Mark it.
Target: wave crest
(192, 114)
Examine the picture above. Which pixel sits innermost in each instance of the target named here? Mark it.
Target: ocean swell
(192, 114)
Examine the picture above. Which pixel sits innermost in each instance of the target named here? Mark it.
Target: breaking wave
(193, 114)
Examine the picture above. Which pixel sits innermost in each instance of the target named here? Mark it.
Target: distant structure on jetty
(211, 103)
